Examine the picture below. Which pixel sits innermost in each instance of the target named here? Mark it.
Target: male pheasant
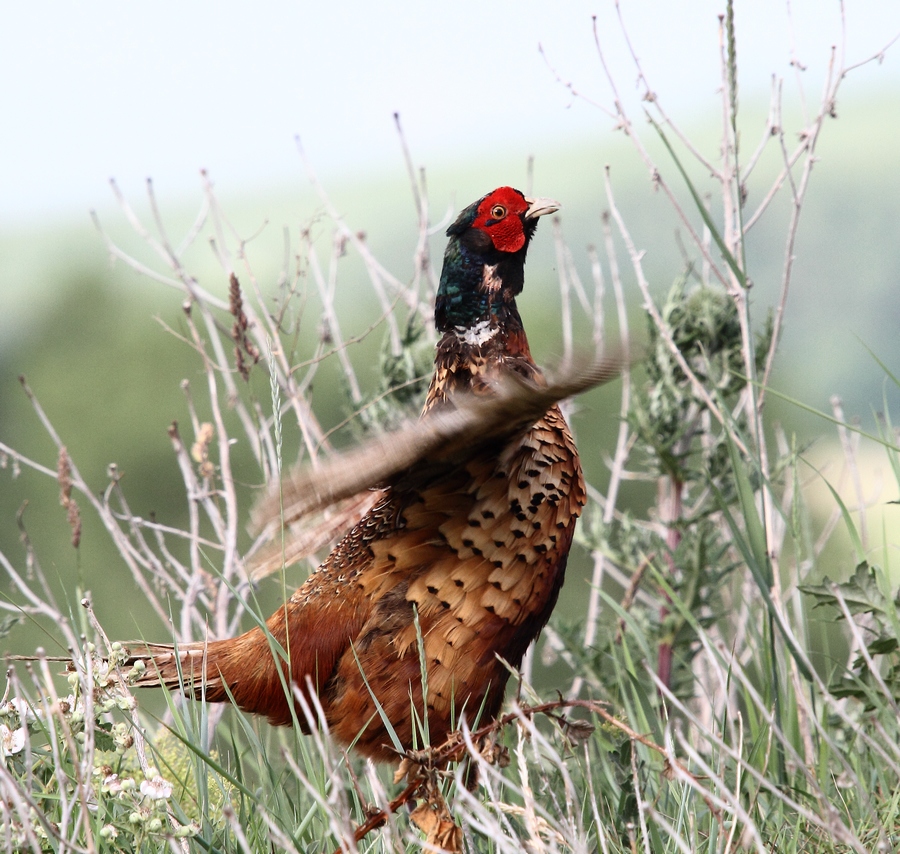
(470, 532)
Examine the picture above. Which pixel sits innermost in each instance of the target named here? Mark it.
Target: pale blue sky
(126, 89)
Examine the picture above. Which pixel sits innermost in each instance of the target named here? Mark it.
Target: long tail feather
(192, 667)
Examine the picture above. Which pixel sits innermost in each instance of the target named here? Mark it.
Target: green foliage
(866, 592)
(401, 384)
(701, 323)
(678, 440)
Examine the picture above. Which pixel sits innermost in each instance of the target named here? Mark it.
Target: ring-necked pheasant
(471, 530)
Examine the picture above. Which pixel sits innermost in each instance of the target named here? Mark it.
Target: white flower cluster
(11, 740)
(132, 802)
(17, 714)
(147, 801)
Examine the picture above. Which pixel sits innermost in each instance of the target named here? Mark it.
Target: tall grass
(700, 715)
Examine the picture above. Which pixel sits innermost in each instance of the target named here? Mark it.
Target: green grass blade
(701, 208)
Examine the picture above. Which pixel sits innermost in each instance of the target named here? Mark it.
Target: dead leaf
(435, 821)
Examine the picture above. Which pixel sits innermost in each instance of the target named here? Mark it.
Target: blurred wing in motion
(447, 435)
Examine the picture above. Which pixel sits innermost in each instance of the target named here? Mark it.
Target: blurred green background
(88, 333)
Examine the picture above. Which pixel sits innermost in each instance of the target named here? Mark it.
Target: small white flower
(157, 788)
(69, 705)
(11, 740)
(112, 784)
(20, 707)
(72, 708)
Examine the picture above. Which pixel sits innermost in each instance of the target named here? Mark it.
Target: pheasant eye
(498, 212)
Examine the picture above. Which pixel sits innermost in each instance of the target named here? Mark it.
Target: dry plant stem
(158, 529)
(193, 500)
(837, 71)
(732, 191)
(119, 537)
(165, 245)
(536, 812)
(623, 446)
(650, 306)
(738, 779)
(834, 825)
(798, 194)
(184, 281)
(732, 195)
(627, 126)
(598, 822)
(832, 522)
(459, 745)
(650, 97)
(548, 818)
(730, 181)
(228, 531)
(323, 354)
(339, 825)
(729, 176)
(491, 823)
(850, 446)
(564, 291)
(670, 507)
(788, 161)
(44, 604)
(375, 400)
(628, 598)
(570, 86)
(36, 604)
(641, 803)
(84, 766)
(225, 524)
(825, 734)
(330, 323)
(599, 321)
(718, 804)
(378, 274)
(143, 555)
(230, 816)
(589, 307)
(890, 741)
(205, 302)
(422, 257)
(769, 130)
(837, 706)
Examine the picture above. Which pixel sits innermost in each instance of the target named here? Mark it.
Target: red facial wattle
(500, 214)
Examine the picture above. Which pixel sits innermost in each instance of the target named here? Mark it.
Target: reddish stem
(670, 509)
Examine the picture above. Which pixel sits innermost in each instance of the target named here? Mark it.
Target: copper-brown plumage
(470, 531)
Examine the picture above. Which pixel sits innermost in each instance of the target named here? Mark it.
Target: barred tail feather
(243, 670)
(190, 667)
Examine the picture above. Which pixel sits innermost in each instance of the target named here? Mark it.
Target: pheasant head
(484, 264)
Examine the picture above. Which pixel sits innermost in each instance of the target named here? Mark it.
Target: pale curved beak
(539, 207)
